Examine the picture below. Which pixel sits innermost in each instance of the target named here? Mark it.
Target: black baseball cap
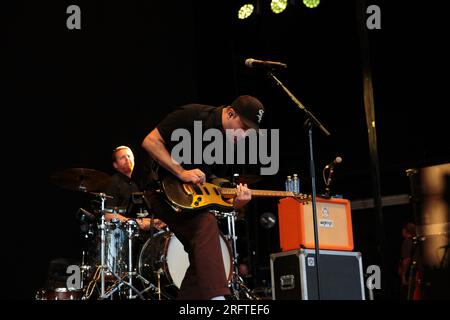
(250, 110)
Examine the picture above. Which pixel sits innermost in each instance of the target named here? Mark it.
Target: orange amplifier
(334, 222)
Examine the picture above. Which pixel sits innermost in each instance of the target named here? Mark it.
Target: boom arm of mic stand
(300, 105)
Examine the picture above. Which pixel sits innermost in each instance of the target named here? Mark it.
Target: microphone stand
(310, 121)
(328, 183)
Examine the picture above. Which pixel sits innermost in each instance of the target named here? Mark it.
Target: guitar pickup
(197, 189)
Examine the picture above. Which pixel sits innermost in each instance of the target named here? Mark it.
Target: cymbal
(247, 179)
(81, 179)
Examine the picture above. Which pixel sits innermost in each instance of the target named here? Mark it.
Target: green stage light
(245, 11)
(311, 3)
(278, 6)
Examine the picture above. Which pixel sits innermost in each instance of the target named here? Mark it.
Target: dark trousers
(199, 234)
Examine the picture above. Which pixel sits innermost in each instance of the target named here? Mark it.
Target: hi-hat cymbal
(81, 179)
(247, 179)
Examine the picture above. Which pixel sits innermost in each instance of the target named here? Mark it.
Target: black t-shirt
(120, 188)
(184, 118)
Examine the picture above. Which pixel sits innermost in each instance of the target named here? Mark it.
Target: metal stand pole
(102, 246)
(232, 236)
(312, 172)
(131, 228)
(237, 284)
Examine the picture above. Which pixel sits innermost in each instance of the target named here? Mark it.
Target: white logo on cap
(260, 115)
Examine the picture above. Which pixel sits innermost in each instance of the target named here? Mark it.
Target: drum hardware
(108, 265)
(91, 285)
(131, 228)
(148, 286)
(139, 202)
(102, 246)
(83, 269)
(156, 290)
(59, 294)
(60, 283)
(111, 269)
(164, 260)
(159, 283)
(86, 220)
(236, 283)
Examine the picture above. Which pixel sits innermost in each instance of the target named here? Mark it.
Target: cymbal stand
(102, 245)
(138, 198)
(131, 227)
(103, 266)
(132, 232)
(236, 284)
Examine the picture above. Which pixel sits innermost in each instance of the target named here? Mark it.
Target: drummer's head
(123, 160)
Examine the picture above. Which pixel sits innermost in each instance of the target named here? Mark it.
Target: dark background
(71, 96)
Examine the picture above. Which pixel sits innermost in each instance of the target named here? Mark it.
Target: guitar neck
(259, 193)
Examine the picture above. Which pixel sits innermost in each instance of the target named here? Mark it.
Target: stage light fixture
(246, 11)
(311, 3)
(278, 6)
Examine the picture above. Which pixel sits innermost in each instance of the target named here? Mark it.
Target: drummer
(121, 187)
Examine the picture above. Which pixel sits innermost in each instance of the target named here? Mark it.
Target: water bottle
(288, 183)
(296, 184)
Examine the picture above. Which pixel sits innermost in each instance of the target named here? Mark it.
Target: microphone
(252, 63)
(328, 181)
(335, 162)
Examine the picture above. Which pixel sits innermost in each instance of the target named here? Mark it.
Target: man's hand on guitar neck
(243, 196)
(194, 176)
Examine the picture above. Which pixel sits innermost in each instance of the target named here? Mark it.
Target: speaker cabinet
(293, 275)
(334, 222)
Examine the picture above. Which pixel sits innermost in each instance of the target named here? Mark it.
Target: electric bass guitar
(191, 197)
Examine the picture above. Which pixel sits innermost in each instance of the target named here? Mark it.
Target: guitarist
(198, 232)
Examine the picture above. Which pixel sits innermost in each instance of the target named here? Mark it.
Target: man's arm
(155, 146)
(109, 216)
(143, 223)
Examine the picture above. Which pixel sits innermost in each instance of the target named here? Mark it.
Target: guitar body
(192, 197)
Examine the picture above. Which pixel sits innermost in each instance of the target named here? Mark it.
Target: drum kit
(110, 267)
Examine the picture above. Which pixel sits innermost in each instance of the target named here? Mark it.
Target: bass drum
(164, 262)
